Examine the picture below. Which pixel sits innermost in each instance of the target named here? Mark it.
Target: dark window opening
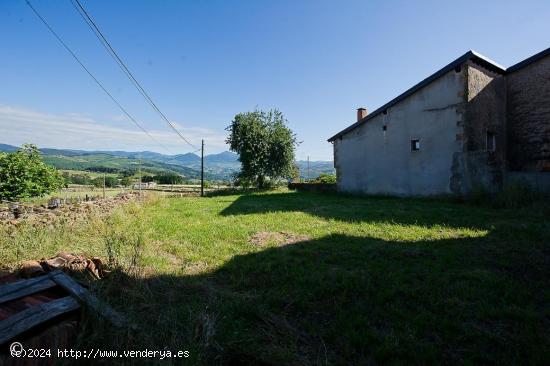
(457, 69)
(491, 141)
(385, 111)
(415, 144)
(384, 128)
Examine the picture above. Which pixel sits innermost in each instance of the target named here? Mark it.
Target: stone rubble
(57, 209)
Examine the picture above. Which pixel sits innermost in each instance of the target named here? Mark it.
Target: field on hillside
(95, 161)
(303, 278)
(89, 173)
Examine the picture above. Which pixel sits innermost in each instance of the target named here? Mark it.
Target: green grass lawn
(368, 281)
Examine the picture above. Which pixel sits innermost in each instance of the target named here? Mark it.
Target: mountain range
(220, 166)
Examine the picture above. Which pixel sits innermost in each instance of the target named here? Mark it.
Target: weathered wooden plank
(27, 319)
(16, 290)
(90, 300)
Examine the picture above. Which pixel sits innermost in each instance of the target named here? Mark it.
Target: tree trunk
(261, 180)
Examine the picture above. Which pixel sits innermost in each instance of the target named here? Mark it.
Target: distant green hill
(220, 166)
(100, 162)
(316, 168)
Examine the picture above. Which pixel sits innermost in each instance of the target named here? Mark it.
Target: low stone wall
(56, 209)
(528, 117)
(313, 187)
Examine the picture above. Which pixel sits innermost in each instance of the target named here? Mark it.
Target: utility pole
(104, 185)
(202, 168)
(308, 168)
(140, 177)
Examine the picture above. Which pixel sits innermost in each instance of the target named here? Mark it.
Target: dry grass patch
(280, 238)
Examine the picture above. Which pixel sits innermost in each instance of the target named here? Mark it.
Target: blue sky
(204, 61)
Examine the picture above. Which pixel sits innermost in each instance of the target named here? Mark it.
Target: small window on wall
(415, 144)
(491, 141)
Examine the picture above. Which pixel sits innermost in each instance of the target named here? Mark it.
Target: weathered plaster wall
(484, 111)
(371, 160)
(336, 161)
(528, 95)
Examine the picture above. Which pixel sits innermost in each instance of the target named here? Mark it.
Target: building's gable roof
(529, 61)
(470, 55)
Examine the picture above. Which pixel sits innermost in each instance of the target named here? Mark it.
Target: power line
(93, 26)
(93, 77)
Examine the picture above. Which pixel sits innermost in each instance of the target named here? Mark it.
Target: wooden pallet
(29, 318)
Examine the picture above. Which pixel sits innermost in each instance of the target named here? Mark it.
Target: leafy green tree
(128, 172)
(110, 182)
(23, 174)
(82, 179)
(295, 173)
(265, 146)
(168, 178)
(126, 181)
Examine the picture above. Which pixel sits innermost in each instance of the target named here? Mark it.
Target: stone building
(471, 124)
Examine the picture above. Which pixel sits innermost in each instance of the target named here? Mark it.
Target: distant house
(144, 185)
(473, 123)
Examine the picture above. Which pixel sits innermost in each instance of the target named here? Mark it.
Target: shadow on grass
(237, 191)
(347, 300)
(230, 192)
(349, 208)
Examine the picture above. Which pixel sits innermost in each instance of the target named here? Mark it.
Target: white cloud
(118, 118)
(75, 131)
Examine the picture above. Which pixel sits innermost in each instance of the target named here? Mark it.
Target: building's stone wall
(474, 170)
(483, 110)
(528, 99)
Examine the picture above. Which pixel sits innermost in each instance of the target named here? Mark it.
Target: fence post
(202, 169)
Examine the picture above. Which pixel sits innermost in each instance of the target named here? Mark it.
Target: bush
(326, 178)
(126, 181)
(23, 174)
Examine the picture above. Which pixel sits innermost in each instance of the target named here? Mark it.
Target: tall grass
(114, 237)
